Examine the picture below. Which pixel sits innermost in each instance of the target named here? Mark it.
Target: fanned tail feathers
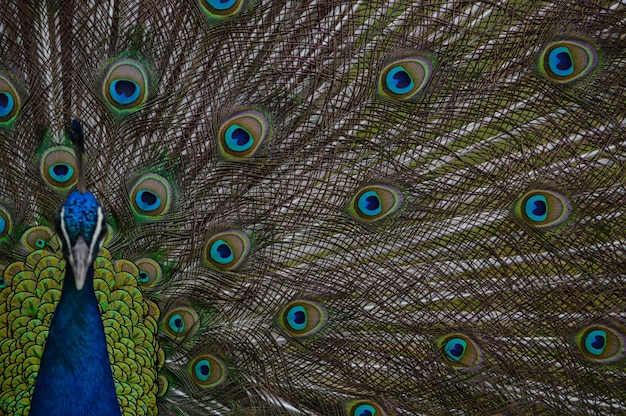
(360, 208)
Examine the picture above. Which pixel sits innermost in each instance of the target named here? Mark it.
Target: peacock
(360, 208)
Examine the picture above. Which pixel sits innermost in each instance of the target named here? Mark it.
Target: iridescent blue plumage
(336, 208)
(75, 376)
(81, 215)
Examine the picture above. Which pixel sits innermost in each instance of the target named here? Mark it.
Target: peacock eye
(601, 344)
(208, 371)
(567, 60)
(151, 196)
(543, 208)
(150, 273)
(104, 231)
(5, 223)
(143, 277)
(221, 8)
(36, 238)
(364, 408)
(181, 322)
(240, 136)
(404, 78)
(61, 172)
(301, 318)
(58, 167)
(454, 349)
(10, 102)
(460, 352)
(227, 250)
(125, 85)
(375, 202)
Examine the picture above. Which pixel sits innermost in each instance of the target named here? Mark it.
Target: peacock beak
(80, 260)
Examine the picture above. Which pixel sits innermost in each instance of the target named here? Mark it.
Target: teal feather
(325, 208)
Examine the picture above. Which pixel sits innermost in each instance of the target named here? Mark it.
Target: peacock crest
(312, 208)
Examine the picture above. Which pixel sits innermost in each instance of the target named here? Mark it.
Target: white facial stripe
(65, 236)
(96, 232)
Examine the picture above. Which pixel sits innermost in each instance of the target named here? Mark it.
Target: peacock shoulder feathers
(314, 208)
(31, 293)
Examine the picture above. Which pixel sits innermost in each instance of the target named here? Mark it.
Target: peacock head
(81, 223)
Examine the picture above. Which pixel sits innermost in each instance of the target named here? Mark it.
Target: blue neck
(75, 375)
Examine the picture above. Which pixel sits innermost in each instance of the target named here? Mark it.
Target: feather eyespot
(240, 136)
(601, 344)
(36, 238)
(5, 223)
(301, 318)
(460, 352)
(543, 208)
(58, 167)
(10, 102)
(565, 61)
(404, 78)
(151, 196)
(181, 322)
(221, 8)
(208, 371)
(125, 85)
(375, 202)
(227, 250)
(150, 273)
(364, 408)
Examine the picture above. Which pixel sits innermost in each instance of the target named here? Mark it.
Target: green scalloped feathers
(32, 289)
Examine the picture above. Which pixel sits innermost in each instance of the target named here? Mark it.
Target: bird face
(82, 226)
